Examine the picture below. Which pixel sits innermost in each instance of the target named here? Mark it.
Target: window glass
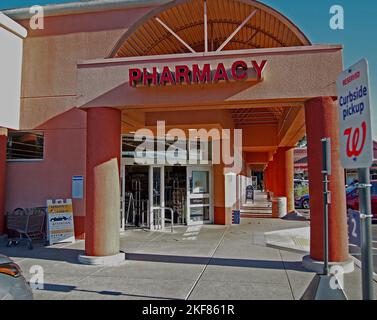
(25, 145)
(182, 151)
(200, 182)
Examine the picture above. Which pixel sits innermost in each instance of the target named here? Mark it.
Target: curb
(3, 238)
(317, 266)
(358, 264)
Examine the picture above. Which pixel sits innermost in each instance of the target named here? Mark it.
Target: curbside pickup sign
(356, 146)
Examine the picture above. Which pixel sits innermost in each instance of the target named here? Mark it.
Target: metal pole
(326, 225)
(366, 233)
(326, 171)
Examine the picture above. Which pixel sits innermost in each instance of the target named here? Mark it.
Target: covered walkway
(208, 262)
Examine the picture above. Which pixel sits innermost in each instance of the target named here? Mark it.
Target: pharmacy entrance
(154, 196)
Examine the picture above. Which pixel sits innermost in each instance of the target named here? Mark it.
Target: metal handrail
(168, 220)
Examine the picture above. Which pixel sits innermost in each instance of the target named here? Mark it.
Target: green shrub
(301, 191)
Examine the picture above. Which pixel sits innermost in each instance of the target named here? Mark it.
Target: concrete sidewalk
(205, 262)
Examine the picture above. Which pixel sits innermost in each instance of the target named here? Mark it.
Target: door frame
(210, 196)
(162, 196)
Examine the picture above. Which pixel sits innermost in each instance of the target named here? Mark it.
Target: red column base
(220, 216)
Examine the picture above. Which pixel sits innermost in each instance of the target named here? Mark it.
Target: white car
(13, 285)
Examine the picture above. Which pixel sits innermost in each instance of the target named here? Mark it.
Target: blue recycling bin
(236, 217)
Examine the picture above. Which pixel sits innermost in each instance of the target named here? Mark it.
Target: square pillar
(273, 175)
(266, 178)
(285, 176)
(219, 194)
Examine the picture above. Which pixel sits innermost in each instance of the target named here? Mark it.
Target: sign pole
(366, 233)
(322, 285)
(326, 171)
(356, 151)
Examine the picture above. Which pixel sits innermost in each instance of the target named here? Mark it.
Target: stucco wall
(51, 56)
(30, 184)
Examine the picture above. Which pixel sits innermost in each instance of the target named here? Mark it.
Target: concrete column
(3, 163)
(273, 175)
(219, 194)
(285, 176)
(265, 178)
(102, 187)
(268, 177)
(321, 117)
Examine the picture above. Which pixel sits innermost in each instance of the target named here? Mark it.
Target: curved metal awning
(184, 26)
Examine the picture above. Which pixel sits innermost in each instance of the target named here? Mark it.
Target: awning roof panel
(266, 29)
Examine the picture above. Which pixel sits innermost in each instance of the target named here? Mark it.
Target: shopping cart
(26, 225)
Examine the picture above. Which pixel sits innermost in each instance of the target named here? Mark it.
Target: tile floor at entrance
(199, 262)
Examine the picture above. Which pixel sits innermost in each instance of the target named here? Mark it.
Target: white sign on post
(356, 144)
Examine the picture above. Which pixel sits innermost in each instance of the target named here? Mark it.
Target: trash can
(279, 207)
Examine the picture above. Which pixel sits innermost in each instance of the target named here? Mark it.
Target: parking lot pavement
(204, 262)
(355, 251)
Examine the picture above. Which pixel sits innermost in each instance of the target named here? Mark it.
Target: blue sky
(358, 37)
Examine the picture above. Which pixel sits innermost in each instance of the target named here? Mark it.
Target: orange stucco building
(83, 89)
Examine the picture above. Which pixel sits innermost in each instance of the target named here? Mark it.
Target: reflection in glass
(199, 214)
(156, 187)
(200, 182)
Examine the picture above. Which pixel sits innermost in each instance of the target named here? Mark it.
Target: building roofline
(83, 7)
(12, 26)
(227, 53)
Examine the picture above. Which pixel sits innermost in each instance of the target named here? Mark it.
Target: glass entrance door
(199, 195)
(157, 197)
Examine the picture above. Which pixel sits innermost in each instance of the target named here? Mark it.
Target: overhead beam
(205, 27)
(292, 126)
(237, 30)
(175, 35)
(257, 157)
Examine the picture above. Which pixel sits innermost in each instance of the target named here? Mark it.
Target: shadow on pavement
(58, 288)
(245, 263)
(43, 253)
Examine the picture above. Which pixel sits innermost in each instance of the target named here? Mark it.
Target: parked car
(353, 199)
(13, 285)
(304, 201)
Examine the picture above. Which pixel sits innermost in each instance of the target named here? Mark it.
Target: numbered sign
(354, 230)
(356, 144)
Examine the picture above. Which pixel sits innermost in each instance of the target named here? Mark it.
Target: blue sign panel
(354, 229)
(236, 217)
(77, 187)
